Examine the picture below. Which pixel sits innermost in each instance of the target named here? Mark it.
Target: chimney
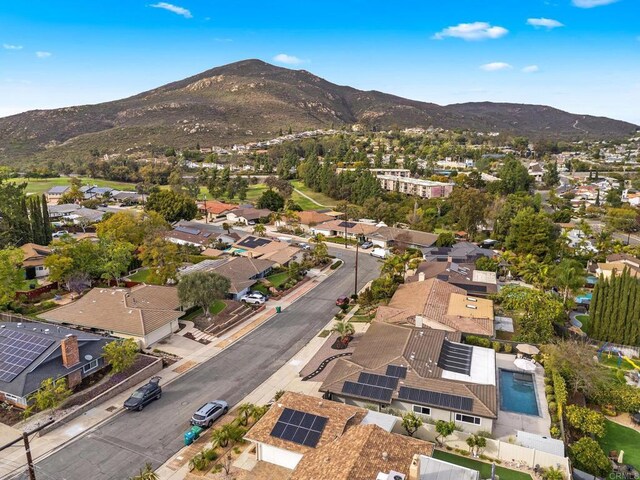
(419, 321)
(385, 456)
(70, 351)
(421, 277)
(414, 468)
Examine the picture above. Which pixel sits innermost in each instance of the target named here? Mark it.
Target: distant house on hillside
(54, 194)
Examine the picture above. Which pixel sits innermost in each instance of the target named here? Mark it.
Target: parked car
(253, 298)
(304, 246)
(379, 253)
(209, 413)
(144, 395)
(342, 300)
(366, 245)
(59, 234)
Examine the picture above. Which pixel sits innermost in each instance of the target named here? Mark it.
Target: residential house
(93, 191)
(214, 209)
(63, 211)
(464, 275)
(31, 352)
(307, 219)
(415, 186)
(617, 263)
(421, 370)
(248, 215)
(437, 304)
(340, 228)
(461, 252)
(536, 170)
(54, 194)
(386, 237)
(310, 438)
(128, 198)
(85, 216)
(202, 235)
(267, 249)
(146, 313)
(33, 259)
(242, 272)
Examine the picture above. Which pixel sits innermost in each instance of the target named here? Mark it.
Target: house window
(467, 419)
(90, 366)
(12, 398)
(419, 409)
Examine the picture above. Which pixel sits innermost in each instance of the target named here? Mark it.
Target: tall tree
(468, 208)
(161, 257)
(532, 233)
(514, 177)
(15, 229)
(201, 289)
(569, 276)
(120, 354)
(172, 206)
(10, 274)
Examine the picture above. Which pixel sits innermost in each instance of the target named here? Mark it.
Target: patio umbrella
(528, 349)
(524, 364)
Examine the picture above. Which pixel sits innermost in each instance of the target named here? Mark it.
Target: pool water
(518, 393)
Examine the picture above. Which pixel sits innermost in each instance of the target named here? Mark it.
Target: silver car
(209, 413)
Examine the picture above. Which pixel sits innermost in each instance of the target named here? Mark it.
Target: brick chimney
(421, 276)
(70, 351)
(414, 468)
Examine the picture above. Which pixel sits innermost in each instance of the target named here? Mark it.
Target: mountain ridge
(251, 99)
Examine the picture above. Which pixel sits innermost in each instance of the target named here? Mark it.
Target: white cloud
(288, 59)
(43, 54)
(495, 66)
(8, 46)
(472, 31)
(173, 8)
(531, 69)
(592, 3)
(544, 22)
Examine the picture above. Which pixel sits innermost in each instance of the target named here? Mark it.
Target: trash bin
(196, 431)
(278, 309)
(189, 437)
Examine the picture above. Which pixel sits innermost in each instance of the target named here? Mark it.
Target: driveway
(120, 447)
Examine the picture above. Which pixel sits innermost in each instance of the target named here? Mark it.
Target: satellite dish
(88, 358)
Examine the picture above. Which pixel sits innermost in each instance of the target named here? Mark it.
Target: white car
(59, 234)
(253, 298)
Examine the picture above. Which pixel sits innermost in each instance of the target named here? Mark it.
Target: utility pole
(27, 448)
(355, 287)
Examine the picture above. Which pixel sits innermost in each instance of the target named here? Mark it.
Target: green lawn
(278, 279)
(584, 319)
(321, 198)
(142, 276)
(259, 287)
(340, 240)
(41, 185)
(361, 319)
(483, 468)
(217, 306)
(619, 438)
(611, 360)
(255, 191)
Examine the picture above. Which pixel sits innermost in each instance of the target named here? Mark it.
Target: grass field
(619, 438)
(584, 319)
(483, 468)
(278, 279)
(611, 360)
(41, 185)
(255, 191)
(142, 276)
(321, 198)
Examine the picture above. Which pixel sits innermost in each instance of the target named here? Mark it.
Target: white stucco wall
(278, 456)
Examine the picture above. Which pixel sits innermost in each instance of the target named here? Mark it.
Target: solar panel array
(397, 371)
(253, 242)
(347, 224)
(455, 357)
(378, 380)
(371, 392)
(190, 231)
(18, 350)
(427, 397)
(299, 427)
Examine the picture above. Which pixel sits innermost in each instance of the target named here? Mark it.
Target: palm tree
(226, 227)
(260, 230)
(345, 329)
(569, 277)
(146, 474)
(230, 432)
(245, 411)
(320, 251)
(275, 217)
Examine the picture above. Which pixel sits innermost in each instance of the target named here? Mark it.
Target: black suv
(144, 395)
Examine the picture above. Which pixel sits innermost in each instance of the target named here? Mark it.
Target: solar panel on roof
(378, 380)
(455, 357)
(427, 397)
(253, 242)
(396, 371)
(299, 427)
(18, 350)
(347, 224)
(190, 231)
(367, 391)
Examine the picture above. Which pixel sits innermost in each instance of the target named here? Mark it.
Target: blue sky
(579, 55)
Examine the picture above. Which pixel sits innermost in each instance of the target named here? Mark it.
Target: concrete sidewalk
(13, 460)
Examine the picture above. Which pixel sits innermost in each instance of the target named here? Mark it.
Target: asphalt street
(120, 447)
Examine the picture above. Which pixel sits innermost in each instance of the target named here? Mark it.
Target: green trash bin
(196, 430)
(278, 309)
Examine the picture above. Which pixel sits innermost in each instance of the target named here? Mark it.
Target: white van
(379, 253)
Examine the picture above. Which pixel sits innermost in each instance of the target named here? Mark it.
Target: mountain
(250, 100)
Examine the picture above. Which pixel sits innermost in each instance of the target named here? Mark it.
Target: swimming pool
(518, 393)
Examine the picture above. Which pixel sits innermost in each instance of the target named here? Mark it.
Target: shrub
(508, 348)
(497, 346)
(553, 407)
(548, 389)
(551, 398)
(587, 455)
(586, 420)
(478, 341)
(336, 264)
(548, 381)
(555, 431)
(210, 454)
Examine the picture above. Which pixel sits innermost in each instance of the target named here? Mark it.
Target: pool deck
(509, 422)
